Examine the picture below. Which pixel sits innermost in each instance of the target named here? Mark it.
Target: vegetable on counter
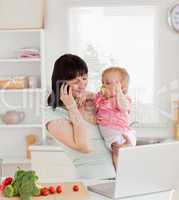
(51, 189)
(59, 189)
(23, 185)
(9, 191)
(75, 188)
(7, 181)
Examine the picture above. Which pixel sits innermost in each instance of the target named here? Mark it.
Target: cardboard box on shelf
(14, 83)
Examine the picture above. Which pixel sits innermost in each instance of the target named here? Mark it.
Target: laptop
(143, 170)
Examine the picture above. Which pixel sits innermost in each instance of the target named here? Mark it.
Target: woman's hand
(81, 101)
(67, 97)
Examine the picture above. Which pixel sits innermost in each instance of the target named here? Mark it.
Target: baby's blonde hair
(123, 74)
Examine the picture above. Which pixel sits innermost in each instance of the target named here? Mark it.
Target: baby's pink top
(109, 114)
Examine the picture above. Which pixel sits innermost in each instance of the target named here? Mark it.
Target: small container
(30, 140)
(18, 82)
(33, 82)
(177, 132)
(175, 111)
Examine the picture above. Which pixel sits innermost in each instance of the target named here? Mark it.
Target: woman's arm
(73, 134)
(80, 130)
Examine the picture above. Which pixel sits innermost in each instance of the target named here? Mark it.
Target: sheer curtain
(123, 35)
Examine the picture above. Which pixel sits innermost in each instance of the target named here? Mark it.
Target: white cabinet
(21, 14)
(28, 99)
(52, 164)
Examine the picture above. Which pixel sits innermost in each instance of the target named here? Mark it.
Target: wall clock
(173, 17)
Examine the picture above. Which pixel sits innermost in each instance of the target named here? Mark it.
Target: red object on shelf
(59, 189)
(75, 188)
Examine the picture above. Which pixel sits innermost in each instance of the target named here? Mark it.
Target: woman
(70, 119)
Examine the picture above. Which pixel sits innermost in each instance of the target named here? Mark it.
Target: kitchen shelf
(30, 100)
(15, 160)
(21, 90)
(20, 30)
(21, 126)
(20, 60)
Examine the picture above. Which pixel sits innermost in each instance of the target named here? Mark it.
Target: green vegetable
(36, 191)
(25, 184)
(8, 191)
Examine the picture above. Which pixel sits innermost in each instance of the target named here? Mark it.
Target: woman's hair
(66, 67)
(123, 74)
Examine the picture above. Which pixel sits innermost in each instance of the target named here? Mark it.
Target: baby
(112, 106)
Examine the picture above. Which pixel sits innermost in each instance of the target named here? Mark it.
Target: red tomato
(7, 181)
(75, 188)
(1, 187)
(51, 189)
(44, 191)
(59, 189)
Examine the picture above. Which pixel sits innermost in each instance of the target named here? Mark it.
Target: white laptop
(143, 170)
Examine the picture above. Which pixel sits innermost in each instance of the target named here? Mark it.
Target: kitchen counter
(83, 194)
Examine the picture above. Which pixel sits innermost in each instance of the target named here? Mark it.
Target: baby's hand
(121, 98)
(118, 89)
(105, 92)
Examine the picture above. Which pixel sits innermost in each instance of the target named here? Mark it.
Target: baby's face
(110, 80)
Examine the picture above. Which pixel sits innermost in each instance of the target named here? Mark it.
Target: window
(122, 36)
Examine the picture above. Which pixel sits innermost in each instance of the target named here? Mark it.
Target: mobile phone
(68, 87)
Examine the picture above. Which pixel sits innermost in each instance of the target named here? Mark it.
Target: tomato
(75, 188)
(59, 189)
(51, 189)
(1, 187)
(7, 181)
(44, 191)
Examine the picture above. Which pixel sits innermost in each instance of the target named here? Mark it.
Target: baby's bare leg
(115, 149)
(114, 159)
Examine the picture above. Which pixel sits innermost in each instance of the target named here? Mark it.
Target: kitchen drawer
(48, 172)
(51, 157)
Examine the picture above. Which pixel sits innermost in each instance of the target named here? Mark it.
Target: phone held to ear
(68, 87)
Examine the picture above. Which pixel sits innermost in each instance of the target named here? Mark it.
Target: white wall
(167, 50)
(54, 34)
(167, 58)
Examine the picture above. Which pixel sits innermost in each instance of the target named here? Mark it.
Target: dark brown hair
(66, 67)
